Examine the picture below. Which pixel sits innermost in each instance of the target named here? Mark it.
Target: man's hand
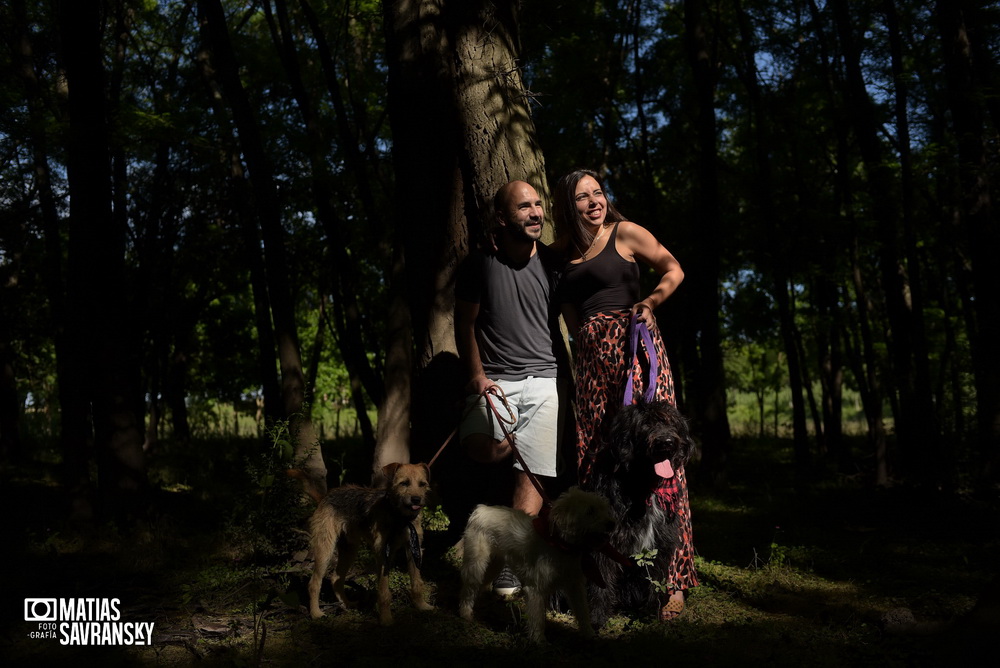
(478, 385)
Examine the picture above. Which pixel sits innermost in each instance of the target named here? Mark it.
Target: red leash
(443, 445)
(498, 392)
(509, 436)
(541, 523)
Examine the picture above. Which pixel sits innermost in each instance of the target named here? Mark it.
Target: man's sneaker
(506, 583)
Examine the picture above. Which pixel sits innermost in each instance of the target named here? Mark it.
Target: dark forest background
(229, 231)
(222, 215)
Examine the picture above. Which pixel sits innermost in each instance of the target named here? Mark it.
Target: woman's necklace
(584, 254)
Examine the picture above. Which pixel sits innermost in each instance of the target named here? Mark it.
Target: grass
(790, 575)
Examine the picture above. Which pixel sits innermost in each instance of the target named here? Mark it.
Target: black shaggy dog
(641, 436)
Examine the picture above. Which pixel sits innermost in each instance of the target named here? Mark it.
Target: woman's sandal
(672, 609)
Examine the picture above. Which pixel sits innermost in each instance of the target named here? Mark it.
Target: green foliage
(645, 559)
(434, 518)
(265, 522)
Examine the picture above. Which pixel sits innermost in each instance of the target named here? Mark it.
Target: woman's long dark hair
(568, 222)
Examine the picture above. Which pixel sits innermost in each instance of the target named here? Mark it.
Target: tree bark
(976, 219)
(461, 128)
(704, 271)
(347, 321)
(308, 454)
(104, 369)
(884, 198)
(926, 424)
(829, 343)
(53, 274)
(866, 371)
(241, 209)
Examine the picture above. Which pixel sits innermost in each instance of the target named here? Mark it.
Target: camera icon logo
(40, 610)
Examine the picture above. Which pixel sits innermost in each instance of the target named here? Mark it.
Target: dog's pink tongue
(664, 469)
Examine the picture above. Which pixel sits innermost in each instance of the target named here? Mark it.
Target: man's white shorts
(534, 403)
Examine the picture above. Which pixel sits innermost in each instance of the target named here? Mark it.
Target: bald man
(506, 329)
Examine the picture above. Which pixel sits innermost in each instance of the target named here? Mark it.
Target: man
(505, 331)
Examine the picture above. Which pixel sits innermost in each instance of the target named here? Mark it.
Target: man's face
(522, 215)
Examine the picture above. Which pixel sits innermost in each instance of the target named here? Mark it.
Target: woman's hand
(643, 313)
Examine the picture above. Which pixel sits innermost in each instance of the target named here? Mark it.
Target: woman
(600, 293)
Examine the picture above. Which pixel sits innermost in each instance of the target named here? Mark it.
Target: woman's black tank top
(607, 282)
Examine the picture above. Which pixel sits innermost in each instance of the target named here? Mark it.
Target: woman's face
(591, 204)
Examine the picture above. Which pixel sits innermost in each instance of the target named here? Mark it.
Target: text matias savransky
(84, 621)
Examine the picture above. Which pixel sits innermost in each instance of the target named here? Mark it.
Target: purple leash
(636, 329)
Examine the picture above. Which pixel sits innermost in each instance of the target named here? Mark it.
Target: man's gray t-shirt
(517, 320)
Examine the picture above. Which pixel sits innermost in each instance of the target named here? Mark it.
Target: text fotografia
(84, 621)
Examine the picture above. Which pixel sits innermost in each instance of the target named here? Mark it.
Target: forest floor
(824, 574)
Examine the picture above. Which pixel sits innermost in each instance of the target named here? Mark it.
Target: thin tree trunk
(832, 373)
(307, 448)
(53, 274)
(862, 358)
(926, 426)
(976, 216)
(649, 190)
(705, 270)
(347, 320)
(807, 386)
(105, 364)
(10, 442)
(349, 328)
(357, 386)
(885, 202)
(866, 370)
(242, 210)
(786, 326)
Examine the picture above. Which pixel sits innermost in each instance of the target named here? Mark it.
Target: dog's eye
(422, 483)
(404, 483)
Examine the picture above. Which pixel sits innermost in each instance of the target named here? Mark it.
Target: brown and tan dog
(387, 519)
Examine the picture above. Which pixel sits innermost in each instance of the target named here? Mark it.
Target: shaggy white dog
(546, 553)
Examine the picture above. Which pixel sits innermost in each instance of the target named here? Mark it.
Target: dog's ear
(427, 470)
(389, 471)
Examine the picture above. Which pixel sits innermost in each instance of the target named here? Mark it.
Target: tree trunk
(831, 366)
(884, 200)
(461, 128)
(976, 216)
(53, 274)
(926, 425)
(10, 442)
(704, 271)
(105, 368)
(348, 327)
(786, 325)
(242, 211)
(807, 386)
(308, 454)
(866, 371)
